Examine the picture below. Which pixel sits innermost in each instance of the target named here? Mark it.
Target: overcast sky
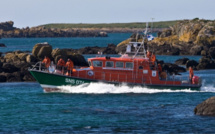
(36, 12)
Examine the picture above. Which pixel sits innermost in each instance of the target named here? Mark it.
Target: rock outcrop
(2, 45)
(8, 31)
(7, 26)
(182, 61)
(206, 108)
(206, 63)
(188, 37)
(14, 65)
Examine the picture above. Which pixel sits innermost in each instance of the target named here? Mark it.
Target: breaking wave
(103, 88)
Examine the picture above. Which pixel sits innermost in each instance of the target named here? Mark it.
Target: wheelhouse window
(129, 65)
(119, 64)
(97, 63)
(109, 63)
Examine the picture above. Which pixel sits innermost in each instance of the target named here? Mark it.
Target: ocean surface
(26, 44)
(99, 107)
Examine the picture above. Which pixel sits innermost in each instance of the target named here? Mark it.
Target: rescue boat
(132, 68)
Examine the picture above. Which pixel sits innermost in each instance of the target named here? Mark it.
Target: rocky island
(7, 30)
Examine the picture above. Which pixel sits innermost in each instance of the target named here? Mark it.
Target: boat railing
(39, 66)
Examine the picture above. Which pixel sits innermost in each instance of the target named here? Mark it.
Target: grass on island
(161, 24)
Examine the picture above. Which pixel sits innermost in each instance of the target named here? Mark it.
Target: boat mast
(152, 25)
(142, 43)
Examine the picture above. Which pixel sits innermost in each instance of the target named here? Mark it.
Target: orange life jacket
(61, 62)
(47, 62)
(191, 73)
(69, 65)
(153, 59)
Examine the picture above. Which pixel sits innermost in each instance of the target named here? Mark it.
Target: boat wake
(103, 88)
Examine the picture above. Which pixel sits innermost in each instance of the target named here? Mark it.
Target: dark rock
(196, 50)
(192, 63)
(30, 59)
(110, 49)
(173, 68)
(9, 68)
(203, 53)
(36, 49)
(78, 60)
(45, 51)
(206, 63)
(28, 77)
(1, 64)
(90, 50)
(23, 66)
(59, 53)
(15, 77)
(2, 45)
(3, 78)
(212, 52)
(182, 61)
(22, 56)
(206, 108)
(11, 57)
(6, 26)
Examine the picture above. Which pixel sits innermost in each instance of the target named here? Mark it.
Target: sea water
(26, 44)
(104, 108)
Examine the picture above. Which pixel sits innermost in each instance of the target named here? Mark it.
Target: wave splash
(103, 88)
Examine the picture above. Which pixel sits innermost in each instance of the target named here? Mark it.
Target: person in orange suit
(61, 64)
(69, 65)
(47, 61)
(153, 59)
(148, 55)
(191, 73)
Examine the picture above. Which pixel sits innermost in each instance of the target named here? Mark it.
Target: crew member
(148, 55)
(153, 59)
(191, 73)
(69, 65)
(61, 64)
(47, 61)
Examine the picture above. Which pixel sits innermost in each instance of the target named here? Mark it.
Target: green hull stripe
(56, 79)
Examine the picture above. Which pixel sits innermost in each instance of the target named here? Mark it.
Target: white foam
(208, 88)
(102, 88)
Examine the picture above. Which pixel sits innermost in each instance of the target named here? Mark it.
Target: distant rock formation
(7, 26)
(8, 31)
(188, 37)
(206, 108)
(2, 45)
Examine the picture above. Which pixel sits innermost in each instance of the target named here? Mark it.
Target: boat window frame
(119, 62)
(97, 64)
(129, 67)
(110, 62)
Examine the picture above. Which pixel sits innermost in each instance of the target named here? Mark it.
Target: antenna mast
(152, 24)
(142, 43)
